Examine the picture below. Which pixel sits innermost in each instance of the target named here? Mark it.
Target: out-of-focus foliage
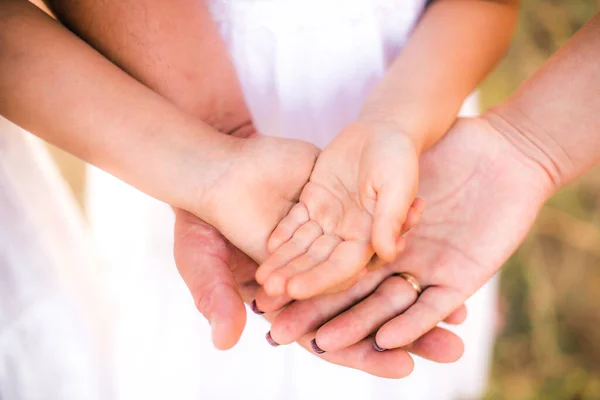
(549, 346)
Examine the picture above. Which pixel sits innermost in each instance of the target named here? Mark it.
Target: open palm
(483, 196)
(221, 278)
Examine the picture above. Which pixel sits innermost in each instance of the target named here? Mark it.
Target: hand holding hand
(483, 195)
(360, 199)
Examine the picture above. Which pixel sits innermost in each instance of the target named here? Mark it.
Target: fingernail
(270, 340)
(315, 347)
(255, 309)
(377, 348)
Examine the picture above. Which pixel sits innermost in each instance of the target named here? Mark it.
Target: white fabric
(51, 323)
(305, 67)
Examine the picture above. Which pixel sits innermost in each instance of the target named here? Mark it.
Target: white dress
(53, 320)
(305, 67)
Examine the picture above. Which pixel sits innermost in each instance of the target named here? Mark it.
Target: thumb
(202, 256)
(391, 209)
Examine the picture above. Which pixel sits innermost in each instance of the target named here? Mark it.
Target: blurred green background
(549, 346)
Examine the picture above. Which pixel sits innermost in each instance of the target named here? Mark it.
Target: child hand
(256, 188)
(359, 200)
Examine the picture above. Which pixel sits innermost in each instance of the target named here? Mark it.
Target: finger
(318, 252)
(412, 219)
(439, 345)
(199, 251)
(390, 299)
(393, 364)
(432, 306)
(458, 316)
(297, 245)
(268, 304)
(347, 260)
(376, 262)
(400, 244)
(302, 317)
(419, 205)
(297, 216)
(349, 283)
(390, 214)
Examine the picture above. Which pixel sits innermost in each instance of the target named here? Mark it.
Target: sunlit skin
(485, 183)
(452, 252)
(178, 141)
(360, 196)
(360, 199)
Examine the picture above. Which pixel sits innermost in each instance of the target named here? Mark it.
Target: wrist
(533, 142)
(186, 162)
(205, 165)
(411, 113)
(381, 126)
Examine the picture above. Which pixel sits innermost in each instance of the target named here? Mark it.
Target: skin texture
(89, 107)
(213, 274)
(361, 194)
(326, 239)
(484, 182)
(553, 159)
(452, 252)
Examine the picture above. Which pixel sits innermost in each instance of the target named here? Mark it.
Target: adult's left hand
(483, 194)
(220, 278)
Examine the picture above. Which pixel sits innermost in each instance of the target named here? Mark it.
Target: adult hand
(483, 194)
(220, 278)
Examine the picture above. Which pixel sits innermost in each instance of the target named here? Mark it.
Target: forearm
(173, 48)
(452, 49)
(554, 117)
(57, 87)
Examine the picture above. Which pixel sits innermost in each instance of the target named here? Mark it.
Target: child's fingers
(390, 298)
(297, 245)
(413, 217)
(347, 259)
(319, 251)
(419, 205)
(286, 228)
(432, 306)
(400, 244)
(390, 214)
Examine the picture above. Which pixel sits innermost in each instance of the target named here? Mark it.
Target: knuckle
(203, 298)
(394, 292)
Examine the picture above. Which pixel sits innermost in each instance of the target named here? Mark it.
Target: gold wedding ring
(412, 281)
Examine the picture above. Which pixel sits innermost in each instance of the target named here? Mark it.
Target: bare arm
(554, 117)
(171, 47)
(57, 87)
(451, 50)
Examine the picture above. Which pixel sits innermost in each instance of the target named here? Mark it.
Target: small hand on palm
(359, 200)
(483, 196)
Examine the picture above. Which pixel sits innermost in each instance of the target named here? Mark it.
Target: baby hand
(359, 200)
(255, 189)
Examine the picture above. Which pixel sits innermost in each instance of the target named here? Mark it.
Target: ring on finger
(412, 281)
